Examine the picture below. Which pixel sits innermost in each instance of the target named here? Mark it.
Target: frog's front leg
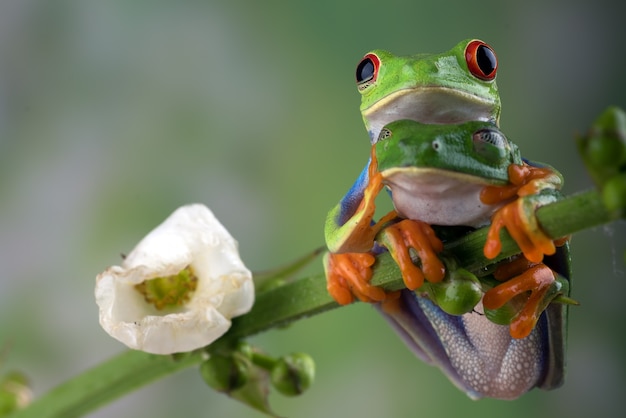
(401, 237)
(348, 276)
(350, 225)
(350, 232)
(533, 186)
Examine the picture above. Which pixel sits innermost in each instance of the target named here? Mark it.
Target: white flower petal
(190, 237)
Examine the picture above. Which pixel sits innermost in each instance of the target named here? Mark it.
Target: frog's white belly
(438, 197)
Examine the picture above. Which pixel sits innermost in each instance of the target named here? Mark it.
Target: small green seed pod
(293, 374)
(614, 195)
(225, 373)
(457, 293)
(603, 148)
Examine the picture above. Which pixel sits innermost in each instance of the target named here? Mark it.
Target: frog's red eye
(367, 70)
(481, 60)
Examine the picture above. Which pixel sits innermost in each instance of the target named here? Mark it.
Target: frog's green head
(476, 151)
(436, 173)
(449, 88)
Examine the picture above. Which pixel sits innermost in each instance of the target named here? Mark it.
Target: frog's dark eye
(367, 70)
(491, 146)
(384, 134)
(481, 60)
(489, 136)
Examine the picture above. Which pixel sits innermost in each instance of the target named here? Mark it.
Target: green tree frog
(452, 87)
(432, 121)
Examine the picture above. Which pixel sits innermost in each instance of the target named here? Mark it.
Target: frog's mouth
(432, 105)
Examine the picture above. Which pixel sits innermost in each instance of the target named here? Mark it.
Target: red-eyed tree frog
(453, 87)
(432, 121)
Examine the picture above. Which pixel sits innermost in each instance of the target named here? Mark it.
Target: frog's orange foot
(348, 276)
(519, 218)
(524, 180)
(538, 279)
(399, 238)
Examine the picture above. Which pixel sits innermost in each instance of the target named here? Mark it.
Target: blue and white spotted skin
(478, 356)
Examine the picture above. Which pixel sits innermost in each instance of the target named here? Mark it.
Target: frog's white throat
(429, 104)
(438, 197)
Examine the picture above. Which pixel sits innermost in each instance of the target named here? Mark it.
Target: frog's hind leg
(523, 277)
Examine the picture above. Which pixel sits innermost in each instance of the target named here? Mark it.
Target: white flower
(201, 283)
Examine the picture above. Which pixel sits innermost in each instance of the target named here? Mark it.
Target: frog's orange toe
(399, 238)
(339, 291)
(518, 216)
(348, 276)
(523, 228)
(493, 245)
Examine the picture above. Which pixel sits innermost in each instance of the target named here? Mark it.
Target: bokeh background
(114, 113)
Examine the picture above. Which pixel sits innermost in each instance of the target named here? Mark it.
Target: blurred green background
(114, 113)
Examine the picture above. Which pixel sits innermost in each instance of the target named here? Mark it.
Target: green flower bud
(603, 148)
(614, 194)
(605, 151)
(245, 349)
(457, 293)
(293, 374)
(225, 373)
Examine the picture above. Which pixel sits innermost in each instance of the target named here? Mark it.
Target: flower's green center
(169, 291)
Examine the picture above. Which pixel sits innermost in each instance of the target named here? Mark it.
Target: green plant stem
(565, 217)
(308, 296)
(287, 303)
(109, 380)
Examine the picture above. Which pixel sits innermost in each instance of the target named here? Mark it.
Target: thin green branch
(565, 217)
(287, 303)
(109, 380)
(308, 296)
